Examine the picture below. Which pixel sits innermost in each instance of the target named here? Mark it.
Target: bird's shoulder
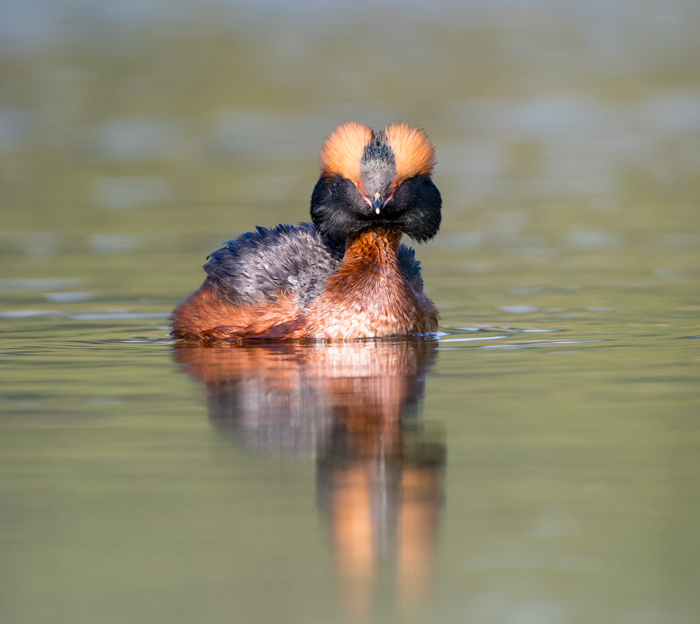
(259, 266)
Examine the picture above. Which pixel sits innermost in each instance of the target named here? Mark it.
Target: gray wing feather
(259, 266)
(410, 267)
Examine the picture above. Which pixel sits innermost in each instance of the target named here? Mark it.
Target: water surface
(536, 461)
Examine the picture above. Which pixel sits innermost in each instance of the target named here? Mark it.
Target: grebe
(346, 276)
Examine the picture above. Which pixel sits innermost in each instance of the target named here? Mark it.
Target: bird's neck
(370, 271)
(372, 247)
(369, 296)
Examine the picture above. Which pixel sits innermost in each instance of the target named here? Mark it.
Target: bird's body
(345, 276)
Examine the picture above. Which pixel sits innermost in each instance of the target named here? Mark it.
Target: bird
(344, 276)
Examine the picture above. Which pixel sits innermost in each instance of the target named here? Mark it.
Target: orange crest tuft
(343, 150)
(413, 152)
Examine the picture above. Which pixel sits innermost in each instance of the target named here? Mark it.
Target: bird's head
(377, 179)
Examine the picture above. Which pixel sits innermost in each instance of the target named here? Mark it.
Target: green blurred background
(136, 137)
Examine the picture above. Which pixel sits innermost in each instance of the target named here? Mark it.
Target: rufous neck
(375, 245)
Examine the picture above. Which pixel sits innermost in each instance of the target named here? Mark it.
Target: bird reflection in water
(355, 406)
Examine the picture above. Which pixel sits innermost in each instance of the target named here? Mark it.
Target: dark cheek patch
(338, 209)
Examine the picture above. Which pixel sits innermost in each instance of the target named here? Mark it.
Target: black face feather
(415, 209)
(338, 209)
